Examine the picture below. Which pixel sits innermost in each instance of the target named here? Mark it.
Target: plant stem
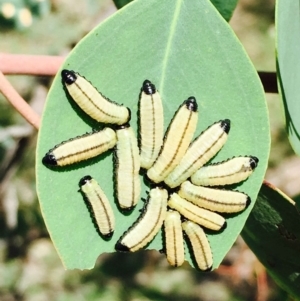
(15, 99)
(49, 65)
(30, 64)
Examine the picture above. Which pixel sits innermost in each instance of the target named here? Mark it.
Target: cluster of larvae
(180, 199)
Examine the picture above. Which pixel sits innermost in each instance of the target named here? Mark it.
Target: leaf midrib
(173, 26)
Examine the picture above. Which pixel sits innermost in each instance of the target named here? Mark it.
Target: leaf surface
(225, 8)
(288, 66)
(185, 48)
(273, 234)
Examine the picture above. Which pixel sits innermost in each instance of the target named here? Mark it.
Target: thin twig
(18, 102)
(30, 64)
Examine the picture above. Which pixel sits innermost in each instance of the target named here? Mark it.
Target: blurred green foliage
(19, 14)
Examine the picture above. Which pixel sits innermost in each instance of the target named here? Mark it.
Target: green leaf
(288, 66)
(185, 48)
(121, 3)
(225, 8)
(273, 234)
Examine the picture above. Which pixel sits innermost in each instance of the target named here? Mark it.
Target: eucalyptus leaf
(273, 234)
(288, 66)
(121, 3)
(225, 8)
(185, 48)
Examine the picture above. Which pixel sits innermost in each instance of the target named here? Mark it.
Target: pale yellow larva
(227, 172)
(200, 151)
(176, 142)
(151, 124)
(100, 205)
(127, 166)
(147, 225)
(218, 200)
(200, 245)
(81, 148)
(174, 247)
(92, 102)
(203, 217)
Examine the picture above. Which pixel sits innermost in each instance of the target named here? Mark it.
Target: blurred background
(30, 268)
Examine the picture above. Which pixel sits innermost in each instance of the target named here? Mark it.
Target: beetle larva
(151, 124)
(147, 225)
(128, 183)
(176, 142)
(81, 148)
(227, 172)
(92, 102)
(200, 151)
(218, 200)
(100, 205)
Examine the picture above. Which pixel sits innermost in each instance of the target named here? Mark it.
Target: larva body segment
(203, 217)
(128, 183)
(81, 148)
(228, 172)
(147, 225)
(200, 245)
(174, 238)
(151, 124)
(176, 141)
(100, 205)
(92, 102)
(219, 200)
(204, 147)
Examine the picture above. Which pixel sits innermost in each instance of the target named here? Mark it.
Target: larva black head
(253, 162)
(207, 270)
(49, 159)
(248, 202)
(122, 126)
(148, 87)
(191, 104)
(68, 76)
(129, 114)
(225, 125)
(108, 235)
(127, 209)
(224, 226)
(84, 180)
(121, 248)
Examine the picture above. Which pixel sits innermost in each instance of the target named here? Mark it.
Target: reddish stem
(30, 64)
(49, 65)
(15, 99)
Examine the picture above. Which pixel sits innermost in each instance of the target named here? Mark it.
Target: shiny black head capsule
(148, 87)
(121, 248)
(49, 159)
(108, 235)
(248, 202)
(191, 104)
(253, 162)
(224, 226)
(68, 76)
(123, 126)
(84, 180)
(225, 125)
